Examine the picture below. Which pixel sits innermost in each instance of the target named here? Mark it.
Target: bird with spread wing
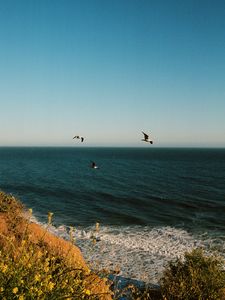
(79, 137)
(146, 138)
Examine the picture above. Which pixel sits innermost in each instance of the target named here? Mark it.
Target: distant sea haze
(155, 202)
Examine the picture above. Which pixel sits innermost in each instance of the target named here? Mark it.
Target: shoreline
(114, 250)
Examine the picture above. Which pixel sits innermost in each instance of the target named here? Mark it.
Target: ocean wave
(137, 252)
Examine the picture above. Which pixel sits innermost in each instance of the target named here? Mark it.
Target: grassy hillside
(35, 264)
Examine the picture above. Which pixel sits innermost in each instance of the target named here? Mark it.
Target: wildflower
(51, 285)
(50, 214)
(37, 277)
(88, 292)
(4, 268)
(15, 290)
(1, 289)
(21, 297)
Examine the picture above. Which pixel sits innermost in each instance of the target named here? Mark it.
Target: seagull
(93, 165)
(79, 137)
(146, 138)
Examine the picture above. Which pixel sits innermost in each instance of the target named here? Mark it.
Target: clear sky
(108, 69)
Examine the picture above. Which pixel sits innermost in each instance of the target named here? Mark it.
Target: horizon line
(140, 147)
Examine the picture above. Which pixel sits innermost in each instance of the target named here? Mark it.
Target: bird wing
(82, 139)
(76, 137)
(145, 135)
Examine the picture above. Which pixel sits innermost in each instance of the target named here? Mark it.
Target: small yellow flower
(1, 289)
(37, 277)
(15, 290)
(88, 292)
(46, 269)
(51, 285)
(21, 297)
(4, 268)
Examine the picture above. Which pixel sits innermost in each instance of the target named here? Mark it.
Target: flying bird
(93, 165)
(79, 137)
(146, 138)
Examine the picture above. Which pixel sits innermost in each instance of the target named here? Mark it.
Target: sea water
(153, 204)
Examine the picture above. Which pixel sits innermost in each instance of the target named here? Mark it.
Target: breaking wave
(135, 252)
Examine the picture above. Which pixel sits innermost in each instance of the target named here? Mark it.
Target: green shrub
(197, 277)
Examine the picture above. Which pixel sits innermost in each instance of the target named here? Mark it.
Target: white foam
(138, 252)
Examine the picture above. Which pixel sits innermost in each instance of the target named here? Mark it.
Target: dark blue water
(133, 186)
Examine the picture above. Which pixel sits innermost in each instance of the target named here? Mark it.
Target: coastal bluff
(16, 229)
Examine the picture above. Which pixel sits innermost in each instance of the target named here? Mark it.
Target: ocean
(152, 204)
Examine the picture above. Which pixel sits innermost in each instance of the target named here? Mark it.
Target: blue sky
(108, 69)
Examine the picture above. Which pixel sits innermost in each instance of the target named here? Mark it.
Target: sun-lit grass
(197, 277)
(28, 270)
(35, 274)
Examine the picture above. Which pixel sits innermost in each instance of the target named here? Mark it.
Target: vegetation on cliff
(196, 276)
(34, 264)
